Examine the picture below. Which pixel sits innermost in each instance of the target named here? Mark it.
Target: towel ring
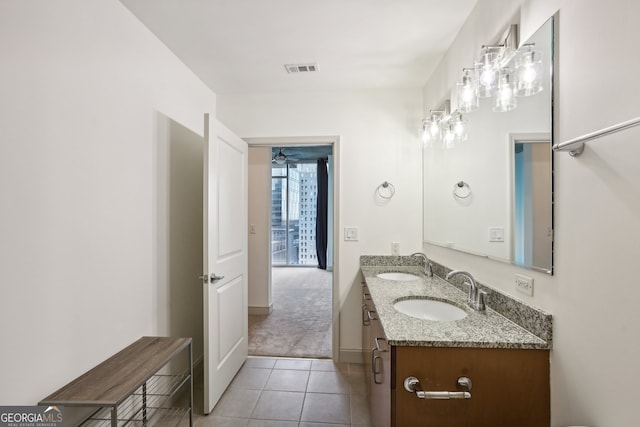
(386, 187)
(461, 190)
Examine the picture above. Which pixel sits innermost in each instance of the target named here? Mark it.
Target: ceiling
(241, 46)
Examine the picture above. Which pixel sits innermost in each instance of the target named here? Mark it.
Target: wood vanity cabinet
(510, 387)
(377, 360)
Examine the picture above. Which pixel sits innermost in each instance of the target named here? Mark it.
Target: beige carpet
(300, 322)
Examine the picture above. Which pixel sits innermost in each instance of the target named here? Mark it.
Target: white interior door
(225, 259)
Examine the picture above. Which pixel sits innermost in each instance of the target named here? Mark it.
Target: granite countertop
(486, 329)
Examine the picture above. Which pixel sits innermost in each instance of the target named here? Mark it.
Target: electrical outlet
(395, 248)
(524, 284)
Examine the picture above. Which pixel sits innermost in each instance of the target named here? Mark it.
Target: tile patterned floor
(280, 392)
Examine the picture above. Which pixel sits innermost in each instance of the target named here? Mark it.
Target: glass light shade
(430, 130)
(459, 127)
(505, 99)
(529, 72)
(467, 96)
(434, 127)
(425, 134)
(449, 137)
(486, 70)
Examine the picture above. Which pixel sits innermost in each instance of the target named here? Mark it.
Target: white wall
(593, 294)
(80, 83)
(378, 142)
(260, 240)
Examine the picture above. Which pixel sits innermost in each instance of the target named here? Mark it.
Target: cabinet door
(509, 387)
(380, 394)
(367, 308)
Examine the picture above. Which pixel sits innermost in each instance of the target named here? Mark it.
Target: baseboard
(261, 310)
(348, 355)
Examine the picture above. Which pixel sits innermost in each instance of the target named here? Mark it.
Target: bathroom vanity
(481, 370)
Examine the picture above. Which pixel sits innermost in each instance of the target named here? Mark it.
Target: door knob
(214, 277)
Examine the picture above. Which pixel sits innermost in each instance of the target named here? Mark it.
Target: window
(293, 216)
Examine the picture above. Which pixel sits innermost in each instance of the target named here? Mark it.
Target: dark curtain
(321, 214)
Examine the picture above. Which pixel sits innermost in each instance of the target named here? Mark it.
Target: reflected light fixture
(459, 126)
(426, 136)
(444, 126)
(449, 137)
(467, 95)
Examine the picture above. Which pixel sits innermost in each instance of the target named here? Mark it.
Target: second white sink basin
(398, 276)
(428, 309)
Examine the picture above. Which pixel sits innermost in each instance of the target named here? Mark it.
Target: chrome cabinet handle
(366, 296)
(372, 314)
(378, 339)
(412, 385)
(366, 319)
(374, 365)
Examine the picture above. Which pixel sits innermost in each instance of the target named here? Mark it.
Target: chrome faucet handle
(481, 300)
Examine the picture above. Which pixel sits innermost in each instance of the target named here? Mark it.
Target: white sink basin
(428, 309)
(398, 276)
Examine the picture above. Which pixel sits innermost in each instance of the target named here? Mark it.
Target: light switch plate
(496, 234)
(351, 234)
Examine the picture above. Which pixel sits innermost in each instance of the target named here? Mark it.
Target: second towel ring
(461, 190)
(386, 187)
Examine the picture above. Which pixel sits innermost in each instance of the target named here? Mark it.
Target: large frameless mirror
(492, 194)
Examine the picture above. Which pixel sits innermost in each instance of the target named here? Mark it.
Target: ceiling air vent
(301, 68)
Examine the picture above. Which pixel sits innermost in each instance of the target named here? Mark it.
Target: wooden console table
(131, 387)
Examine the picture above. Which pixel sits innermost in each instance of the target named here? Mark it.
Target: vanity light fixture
(492, 75)
(528, 71)
(505, 97)
(486, 69)
(491, 59)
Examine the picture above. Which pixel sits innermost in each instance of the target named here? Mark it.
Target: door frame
(334, 142)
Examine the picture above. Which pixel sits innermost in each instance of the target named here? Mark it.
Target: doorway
(179, 157)
(299, 319)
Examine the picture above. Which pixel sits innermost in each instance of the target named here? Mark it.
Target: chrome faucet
(427, 264)
(476, 297)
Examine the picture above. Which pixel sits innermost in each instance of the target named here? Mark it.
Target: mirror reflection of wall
(506, 218)
(532, 207)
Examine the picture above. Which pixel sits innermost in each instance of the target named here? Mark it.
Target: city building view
(294, 194)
